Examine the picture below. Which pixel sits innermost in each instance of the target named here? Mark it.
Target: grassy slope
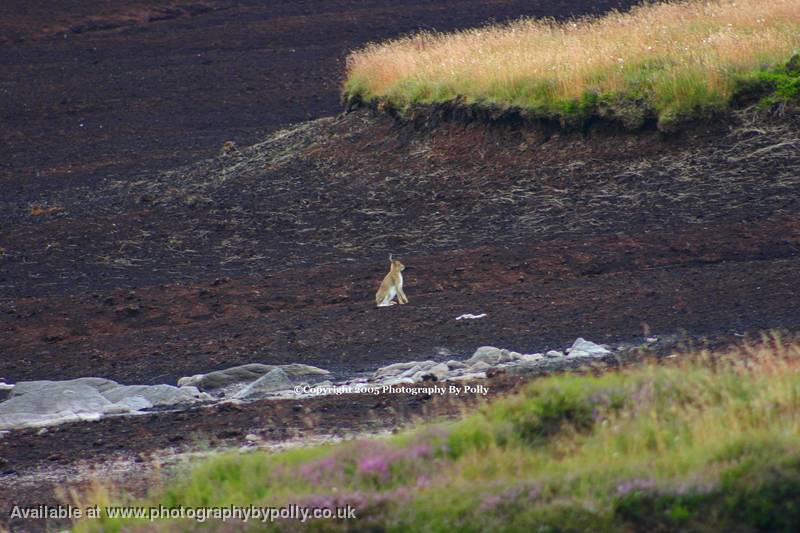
(671, 61)
(709, 444)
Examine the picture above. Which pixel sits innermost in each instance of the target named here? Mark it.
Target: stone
(43, 403)
(455, 365)
(27, 387)
(398, 381)
(251, 372)
(584, 348)
(273, 381)
(300, 372)
(531, 358)
(554, 354)
(5, 386)
(156, 394)
(250, 437)
(489, 355)
(229, 376)
(469, 377)
(439, 371)
(129, 404)
(400, 368)
(40, 403)
(480, 366)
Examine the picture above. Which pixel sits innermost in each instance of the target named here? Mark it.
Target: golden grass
(675, 56)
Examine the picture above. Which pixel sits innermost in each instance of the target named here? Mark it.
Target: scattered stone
(156, 394)
(531, 357)
(398, 381)
(273, 381)
(455, 365)
(439, 372)
(489, 355)
(480, 366)
(554, 354)
(26, 387)
(42, 403)
(229, 376)
(251, 437)
(401, 368)
(242, 374)
(584, 348)
(469, 377)
(300, 372)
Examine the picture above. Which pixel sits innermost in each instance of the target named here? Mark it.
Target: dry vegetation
(676, 59)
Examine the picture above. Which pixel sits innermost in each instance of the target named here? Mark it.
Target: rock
(273, 381)
(489, 355)
(5, 386)
(229, 376)
(40, 403)
(514, 355)
(554, 354)
(531, 357)
(470, 376)
(454, 365)
(400, 368)
(439, 372)
(250, 437)
(251, 372)
(584, 348)
(299, 372)
(480, 366)
(27, 387)
(416, 369)
(156, 394)
(398, 381)
(127, 405)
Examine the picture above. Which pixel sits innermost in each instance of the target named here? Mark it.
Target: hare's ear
(390, 258)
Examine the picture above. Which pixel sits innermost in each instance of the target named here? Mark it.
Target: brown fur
(391, 286)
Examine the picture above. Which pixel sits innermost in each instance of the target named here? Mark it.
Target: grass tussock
(712, 444)
(673, 61)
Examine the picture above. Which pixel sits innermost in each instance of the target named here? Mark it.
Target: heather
(704, 441)
(664, 62)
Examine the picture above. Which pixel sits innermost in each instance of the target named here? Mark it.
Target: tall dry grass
(677, 57)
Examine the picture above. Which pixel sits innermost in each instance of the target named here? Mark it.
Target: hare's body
(392, 286)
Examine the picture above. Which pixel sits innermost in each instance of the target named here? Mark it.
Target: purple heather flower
(633, 485)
